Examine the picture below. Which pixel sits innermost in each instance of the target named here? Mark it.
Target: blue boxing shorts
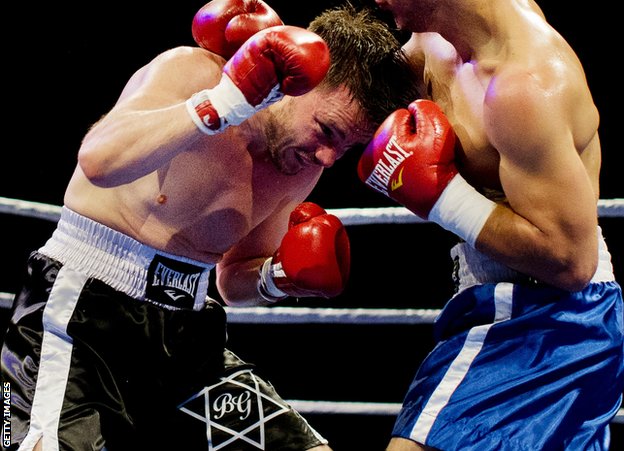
(114, 346)
(519, 365)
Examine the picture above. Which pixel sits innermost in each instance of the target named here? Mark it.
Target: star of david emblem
(233, 410)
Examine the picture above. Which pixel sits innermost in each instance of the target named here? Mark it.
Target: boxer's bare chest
(198, 205)
(218, 202)
(460, 90)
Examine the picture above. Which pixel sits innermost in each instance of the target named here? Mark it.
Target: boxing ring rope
(301, 315)
(349, 216)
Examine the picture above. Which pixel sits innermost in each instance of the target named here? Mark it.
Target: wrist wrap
(462, 210)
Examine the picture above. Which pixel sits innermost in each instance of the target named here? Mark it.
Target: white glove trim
(227, 100)
(462, 210)
(191, 107)
(266, 285)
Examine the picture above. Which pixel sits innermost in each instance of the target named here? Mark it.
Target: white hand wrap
(266, 285)
(462, 210)
(228, 101)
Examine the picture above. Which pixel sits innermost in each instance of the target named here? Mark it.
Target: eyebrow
(334, 127)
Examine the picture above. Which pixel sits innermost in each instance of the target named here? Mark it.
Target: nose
(326, 156)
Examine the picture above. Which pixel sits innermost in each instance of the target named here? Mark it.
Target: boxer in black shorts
(127, 364)
(204, 162)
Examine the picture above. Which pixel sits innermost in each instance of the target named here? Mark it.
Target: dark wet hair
(367, 58)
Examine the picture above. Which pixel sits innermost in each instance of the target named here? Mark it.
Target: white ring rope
(30, 209)
(368, 408)
(349, 216)
(345, 407)
(307, 315)
(314, 315)
(302, 315)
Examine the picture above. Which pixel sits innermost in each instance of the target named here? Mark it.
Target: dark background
(66, 66)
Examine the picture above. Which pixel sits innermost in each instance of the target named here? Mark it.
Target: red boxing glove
(276, 61)
(411, 159)
(314, 257)
(222, 26)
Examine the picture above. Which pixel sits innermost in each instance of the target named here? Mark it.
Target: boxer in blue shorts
(517, 363)
(503, 151)
(205, 161)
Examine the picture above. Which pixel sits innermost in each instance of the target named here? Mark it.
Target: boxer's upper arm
(530, 126)
(171, 77)
(543, 177)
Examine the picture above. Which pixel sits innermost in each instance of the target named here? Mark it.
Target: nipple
(161, 199)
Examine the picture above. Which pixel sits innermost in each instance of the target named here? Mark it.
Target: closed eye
(331, 131)
(327, 131)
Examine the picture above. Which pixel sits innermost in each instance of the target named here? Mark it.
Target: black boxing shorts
(113, 346)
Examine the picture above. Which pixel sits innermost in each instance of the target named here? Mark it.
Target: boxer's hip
(125, 264)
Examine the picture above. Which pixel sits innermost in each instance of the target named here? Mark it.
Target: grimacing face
(314, 130)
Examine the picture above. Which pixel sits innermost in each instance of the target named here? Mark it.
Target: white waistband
(474, 268)
(124, 263)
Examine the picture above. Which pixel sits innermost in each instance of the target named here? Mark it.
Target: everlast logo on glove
(393, 156)
(171, 282)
